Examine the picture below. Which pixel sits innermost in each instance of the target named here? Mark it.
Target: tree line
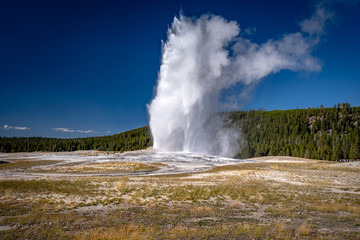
(127, 141)
(317, 133)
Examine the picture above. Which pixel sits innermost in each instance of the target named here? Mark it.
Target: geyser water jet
(203, 57)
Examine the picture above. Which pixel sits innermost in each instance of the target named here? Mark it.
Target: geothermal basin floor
(95, 163)
(150, 195)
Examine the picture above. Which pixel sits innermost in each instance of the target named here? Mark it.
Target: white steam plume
(205, 56)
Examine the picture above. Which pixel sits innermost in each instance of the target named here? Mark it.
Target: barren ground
(143, 195)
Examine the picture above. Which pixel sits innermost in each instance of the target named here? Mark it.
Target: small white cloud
(72, 131)
(63, 130)
(84, 131)
(315, 25)
(250, 30)
(21, 128)
(7, 127)
(108, 132)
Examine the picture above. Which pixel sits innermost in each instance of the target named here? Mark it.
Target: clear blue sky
(92, 65)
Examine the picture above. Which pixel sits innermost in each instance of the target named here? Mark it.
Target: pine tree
(354, 151)
(338, 152)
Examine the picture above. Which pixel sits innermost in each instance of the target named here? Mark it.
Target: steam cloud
(205, 56)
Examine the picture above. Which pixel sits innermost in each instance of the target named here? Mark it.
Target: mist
(203, 57)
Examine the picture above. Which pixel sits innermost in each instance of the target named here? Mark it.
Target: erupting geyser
(205, 56)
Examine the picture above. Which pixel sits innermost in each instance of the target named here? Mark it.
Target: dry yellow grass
(302, 230)
(128, 231)
(335, 207)
(122, 185)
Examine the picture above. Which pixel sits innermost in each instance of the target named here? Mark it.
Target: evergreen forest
(127, 141)
(317, 133)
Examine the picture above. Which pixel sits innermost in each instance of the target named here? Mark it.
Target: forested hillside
(131, 140)
(318, 133)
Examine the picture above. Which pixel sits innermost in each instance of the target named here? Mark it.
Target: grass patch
(334, 208)
(46, 186)
(25, 164)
